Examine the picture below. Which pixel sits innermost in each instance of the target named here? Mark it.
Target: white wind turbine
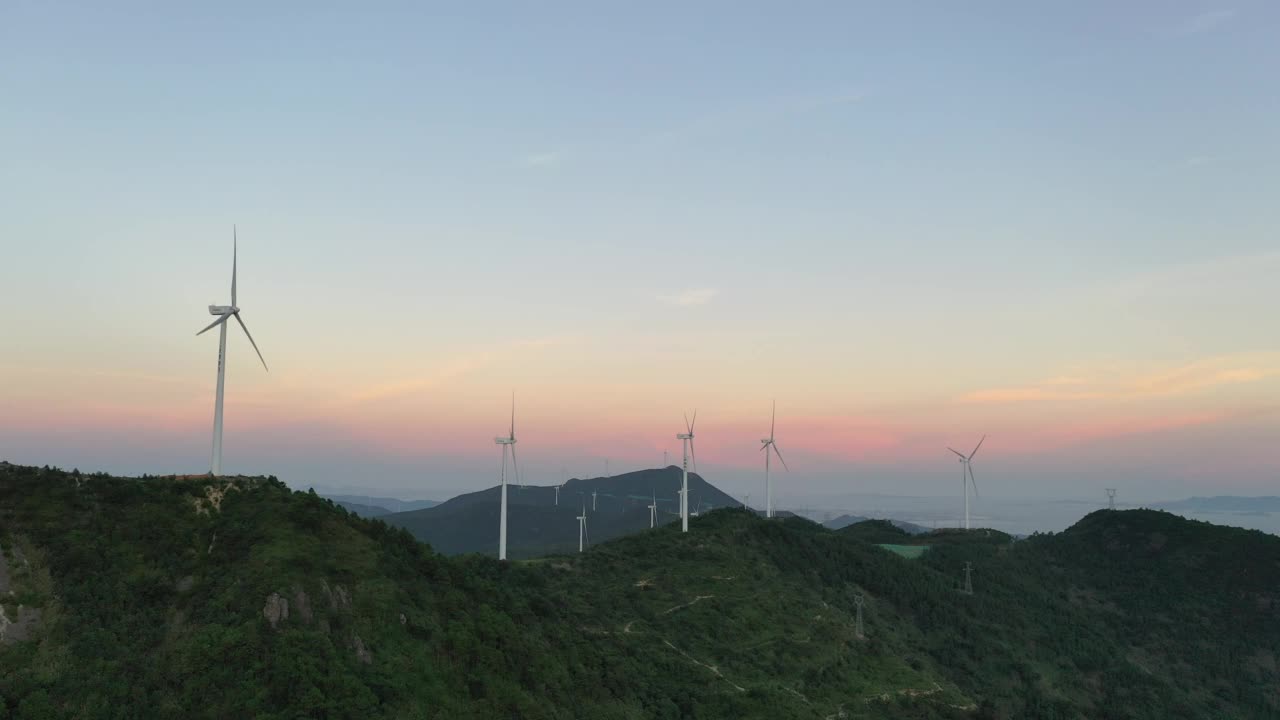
(765, 445)
(653, 512)
(582, 528)
(966, 477)
(506, 442)
(686, 439)
(225, 313)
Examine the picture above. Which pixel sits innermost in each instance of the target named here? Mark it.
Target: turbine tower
(225, 313)
(506, 442)
(582, 528)
(686, 439)
(966, 477)
(653, 512)
(1111, 498)
(766, 445)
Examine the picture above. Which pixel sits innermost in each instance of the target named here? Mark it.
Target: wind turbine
(765, 445)
(582, 528)
(593, 501)
(966, 476)
(225, 313)
(697, 508)
(686, 439)
(506, 442)
(653, 512)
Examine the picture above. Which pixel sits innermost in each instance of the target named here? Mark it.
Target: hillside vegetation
(234, 597)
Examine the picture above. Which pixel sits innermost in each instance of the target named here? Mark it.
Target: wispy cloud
(689, 298)
(1202, 23)
(550, 158)
(449, 370)
(1200, 375)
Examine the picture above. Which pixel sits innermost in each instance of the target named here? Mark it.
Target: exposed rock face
(339, 598)
(20, 628)
(362, 652)
(25, 620)
(276, 609)
(301, 604)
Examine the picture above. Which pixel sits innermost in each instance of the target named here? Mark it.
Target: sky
(909, 224)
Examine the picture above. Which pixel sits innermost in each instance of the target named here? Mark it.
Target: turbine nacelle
(223, 309)
(504, 441)
(684, 436)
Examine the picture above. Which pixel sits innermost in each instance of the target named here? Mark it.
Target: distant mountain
(536, 525)
(385, 504)
(1224, 503)
(846, 520)
(367, 511)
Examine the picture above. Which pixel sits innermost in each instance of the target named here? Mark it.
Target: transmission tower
(968, 578)
(1111, 498)
(858, 600)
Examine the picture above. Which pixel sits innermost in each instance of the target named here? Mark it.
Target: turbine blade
(687, 427)
(973, 480)
(693, 424)
(221, 319)
(772, 418)
(234, 242)
(513, 413)
(514, 465)
(693, 453)
(251, 342)
(779, 452)
(957, 452)
(975, 450)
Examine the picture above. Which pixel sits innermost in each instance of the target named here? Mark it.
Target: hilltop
(235, 597)
(539, 524)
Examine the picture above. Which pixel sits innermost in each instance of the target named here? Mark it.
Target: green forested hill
(234, 597)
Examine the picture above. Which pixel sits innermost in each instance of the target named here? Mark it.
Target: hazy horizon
(1051, 225)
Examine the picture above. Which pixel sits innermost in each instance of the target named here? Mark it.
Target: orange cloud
(1199, 375)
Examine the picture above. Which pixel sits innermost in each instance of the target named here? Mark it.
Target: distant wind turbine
(582, 528)
(765, 445)
(593, 501)
(225, 313)
(506, 442)
(966, 477)
(653, 512)
(686, 439)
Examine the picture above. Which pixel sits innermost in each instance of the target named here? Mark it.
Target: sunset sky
(908, 225)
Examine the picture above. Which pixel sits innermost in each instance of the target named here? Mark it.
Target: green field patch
(906, 551)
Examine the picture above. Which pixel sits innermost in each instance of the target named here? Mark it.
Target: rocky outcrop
(301, 604)
(339, 598)
(276, 609)
(362, 652)
(17, 622)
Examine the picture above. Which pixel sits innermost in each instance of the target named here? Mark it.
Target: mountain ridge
(231, 597)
